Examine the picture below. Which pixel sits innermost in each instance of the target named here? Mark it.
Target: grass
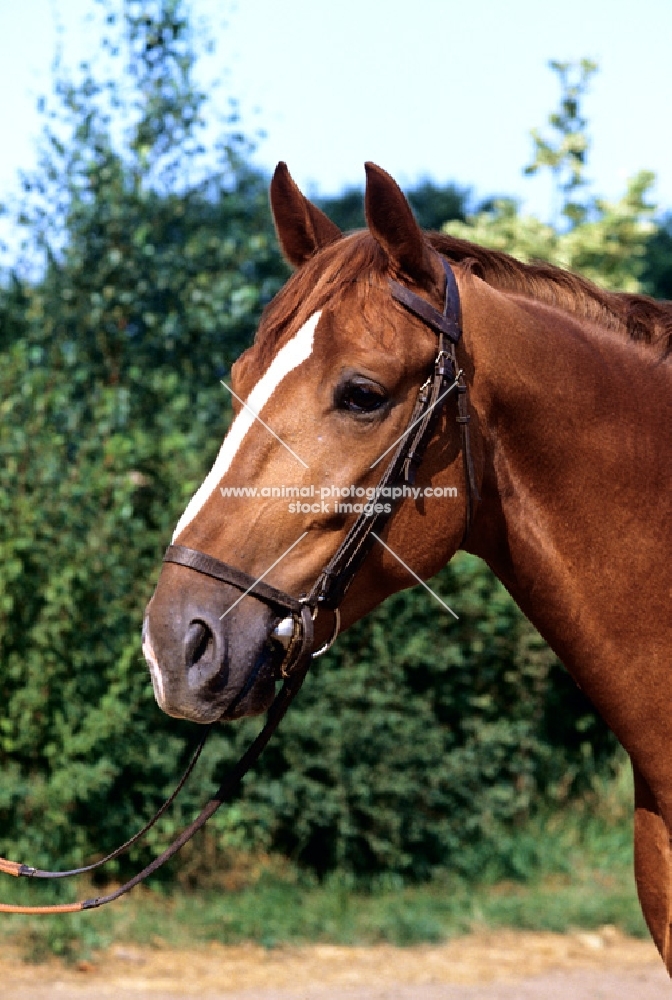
(576, 872)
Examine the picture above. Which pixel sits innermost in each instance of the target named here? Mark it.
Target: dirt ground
(497, 965)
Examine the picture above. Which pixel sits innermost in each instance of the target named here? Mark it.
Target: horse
(547, 455)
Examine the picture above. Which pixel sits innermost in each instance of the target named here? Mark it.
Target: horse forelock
(321, 280)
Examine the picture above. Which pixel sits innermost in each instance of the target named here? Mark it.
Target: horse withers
(564, 486)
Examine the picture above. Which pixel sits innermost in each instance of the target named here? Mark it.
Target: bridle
(332, 584)
(296, 630)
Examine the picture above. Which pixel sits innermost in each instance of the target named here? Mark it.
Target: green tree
(607, 242)
(433, 204)
(657, 271)
(144, 270)
(566, 151)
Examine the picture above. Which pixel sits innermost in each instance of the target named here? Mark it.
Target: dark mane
(358, 257)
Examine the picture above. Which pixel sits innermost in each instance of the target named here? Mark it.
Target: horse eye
(360, 398)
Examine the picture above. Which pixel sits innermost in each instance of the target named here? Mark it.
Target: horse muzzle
(212, 656)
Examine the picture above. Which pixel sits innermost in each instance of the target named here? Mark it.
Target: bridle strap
(218, 570)
(447, 323)
(463, 419)
(337, 576)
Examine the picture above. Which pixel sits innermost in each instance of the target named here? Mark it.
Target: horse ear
(392, 224)
(301, 227)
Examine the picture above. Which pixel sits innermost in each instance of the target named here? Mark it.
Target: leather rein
(327, 592)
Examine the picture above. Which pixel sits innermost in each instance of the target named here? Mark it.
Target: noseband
(327, 592)
(332, 584)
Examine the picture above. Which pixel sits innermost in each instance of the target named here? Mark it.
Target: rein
(296, 630)
(276, 712)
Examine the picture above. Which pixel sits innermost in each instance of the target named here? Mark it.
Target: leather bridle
(329, 589)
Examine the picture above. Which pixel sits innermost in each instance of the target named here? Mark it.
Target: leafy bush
(418, 742)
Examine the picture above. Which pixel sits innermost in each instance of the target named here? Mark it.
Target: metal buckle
(334, 635)
(443, 364)
(423, 392)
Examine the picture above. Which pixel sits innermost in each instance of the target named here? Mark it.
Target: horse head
(321, 401)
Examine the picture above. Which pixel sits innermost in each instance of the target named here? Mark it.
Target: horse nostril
(205, 657)
(199, 643)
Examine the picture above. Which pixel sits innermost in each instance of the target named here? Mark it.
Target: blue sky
(426, 88)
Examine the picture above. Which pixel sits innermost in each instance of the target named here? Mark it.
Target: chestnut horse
(570, 397)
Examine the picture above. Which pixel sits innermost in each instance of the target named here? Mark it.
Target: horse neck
(573, 423)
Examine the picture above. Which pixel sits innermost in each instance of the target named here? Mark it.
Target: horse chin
(259, 690)
(258, 701)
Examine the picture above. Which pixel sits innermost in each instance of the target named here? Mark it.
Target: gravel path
(502, 965)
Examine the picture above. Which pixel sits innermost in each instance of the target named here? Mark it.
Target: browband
(447, 322)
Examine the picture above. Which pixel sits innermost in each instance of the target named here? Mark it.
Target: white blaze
(295, 352)
(154, 670)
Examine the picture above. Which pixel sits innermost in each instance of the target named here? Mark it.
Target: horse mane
(640, 317)
(358, 258)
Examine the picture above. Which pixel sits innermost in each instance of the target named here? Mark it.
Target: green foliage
(566, 151)
(610, 248)
(432, 204)
(657, 272)
(418, 743)
(613, 244)
(420, 739)
(111, 407)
